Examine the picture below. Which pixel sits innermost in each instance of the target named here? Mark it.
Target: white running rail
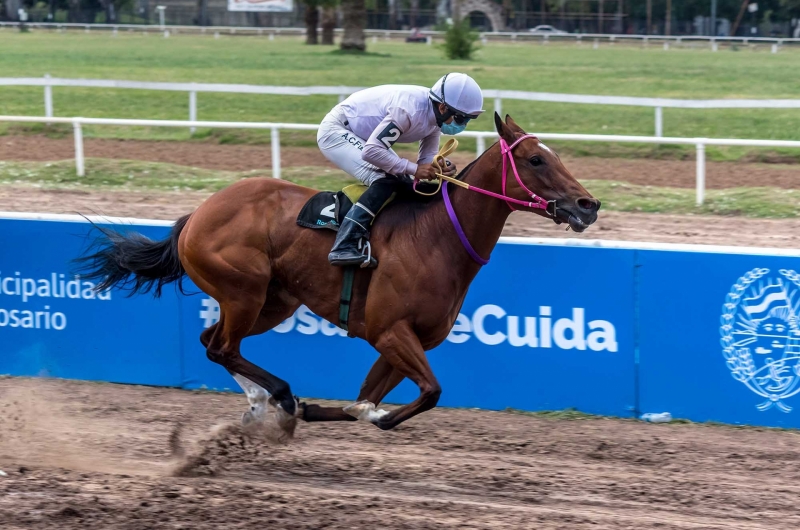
(481, 136)
(343, 91)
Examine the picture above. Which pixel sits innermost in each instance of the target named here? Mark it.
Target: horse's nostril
(588, 205)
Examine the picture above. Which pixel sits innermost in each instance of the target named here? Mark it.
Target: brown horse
(243, 248)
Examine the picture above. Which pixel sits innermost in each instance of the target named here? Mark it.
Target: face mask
(453, 128)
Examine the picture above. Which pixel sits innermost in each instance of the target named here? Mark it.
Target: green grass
(625, 71)
(134, 175)
(747, 202)
(616, 196)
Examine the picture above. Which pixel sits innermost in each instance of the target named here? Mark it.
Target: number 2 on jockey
(389, 135)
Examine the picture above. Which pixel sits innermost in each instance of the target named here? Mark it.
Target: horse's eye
(536, 160)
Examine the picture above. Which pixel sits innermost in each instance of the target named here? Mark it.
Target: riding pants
(342, 147)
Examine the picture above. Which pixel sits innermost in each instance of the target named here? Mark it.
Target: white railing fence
(480, 136)
(374, 34)
(658, 104)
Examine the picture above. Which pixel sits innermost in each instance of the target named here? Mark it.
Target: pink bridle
(537, 202)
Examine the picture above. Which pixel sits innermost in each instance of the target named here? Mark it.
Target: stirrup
(369, 261)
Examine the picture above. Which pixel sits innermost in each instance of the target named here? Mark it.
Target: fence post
(498, 106)
(192, 109)
(276, 153)
(659, 122)
(701, 173)
(481, 146)
(48, 97)
(342, 97)
(78, 132)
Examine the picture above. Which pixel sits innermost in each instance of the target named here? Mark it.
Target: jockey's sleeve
(378, 150)
(428, 147)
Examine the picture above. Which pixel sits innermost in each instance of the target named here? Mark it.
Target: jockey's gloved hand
(450, 168)
(425, 172)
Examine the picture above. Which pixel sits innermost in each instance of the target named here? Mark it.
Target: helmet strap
(441, 118)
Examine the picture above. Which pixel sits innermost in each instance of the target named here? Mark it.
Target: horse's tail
(134, 262)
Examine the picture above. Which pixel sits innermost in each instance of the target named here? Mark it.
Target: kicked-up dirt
(89, 455)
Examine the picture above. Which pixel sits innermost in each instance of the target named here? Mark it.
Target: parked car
(546, 30)
(416, 36)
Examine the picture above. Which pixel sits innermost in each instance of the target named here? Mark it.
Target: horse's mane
(409, 204)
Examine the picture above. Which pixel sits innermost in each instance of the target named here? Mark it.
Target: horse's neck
(482, 218)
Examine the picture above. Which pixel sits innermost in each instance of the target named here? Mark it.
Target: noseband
(536, 202)
(508, 157)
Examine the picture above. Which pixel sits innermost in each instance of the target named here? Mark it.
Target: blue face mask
(453, 128)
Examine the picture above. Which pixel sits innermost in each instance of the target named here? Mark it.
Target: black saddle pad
(326, 209)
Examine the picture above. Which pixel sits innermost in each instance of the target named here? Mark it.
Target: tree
(459, 41)
(311, 19)
(354, 20)
(414, 13)
(328, 21)
(11, 9)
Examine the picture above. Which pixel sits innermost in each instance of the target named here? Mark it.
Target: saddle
(327, 209)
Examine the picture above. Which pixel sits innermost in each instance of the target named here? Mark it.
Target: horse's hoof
(365, 411)
(247, 418)
(358, 408)
(290, 406)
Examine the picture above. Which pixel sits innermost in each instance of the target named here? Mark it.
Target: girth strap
(346, 296)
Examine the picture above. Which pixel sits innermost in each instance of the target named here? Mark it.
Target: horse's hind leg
(240, 317)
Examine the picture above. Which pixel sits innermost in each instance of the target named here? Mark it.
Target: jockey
(358, 135)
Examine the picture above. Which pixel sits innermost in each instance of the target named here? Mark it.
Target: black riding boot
(348, 248)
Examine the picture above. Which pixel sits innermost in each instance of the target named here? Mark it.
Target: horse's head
(541, 171)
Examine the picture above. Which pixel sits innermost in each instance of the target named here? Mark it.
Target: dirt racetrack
(88, 455)
(778, 233)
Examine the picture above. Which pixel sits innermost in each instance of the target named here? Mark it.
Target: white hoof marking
(257, 397)
(365, 411)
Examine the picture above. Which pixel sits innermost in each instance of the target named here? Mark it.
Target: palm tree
(354, 20)
(311, 20)
(328, 21)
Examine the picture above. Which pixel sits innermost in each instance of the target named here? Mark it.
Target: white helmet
(459, 92)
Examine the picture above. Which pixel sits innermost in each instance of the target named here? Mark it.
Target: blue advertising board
(719, 336)
(633, 328)
(52, 323)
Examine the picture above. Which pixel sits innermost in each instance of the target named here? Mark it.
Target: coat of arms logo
(760, 332)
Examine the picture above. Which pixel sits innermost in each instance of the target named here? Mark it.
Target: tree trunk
(111, 13)
(668, 21)
(11, 9)
(739, 18)
(649, 17)
(392, 14)
(312, 18)
(328, 24)
(74, 14)
(354, 20)
(414, 13)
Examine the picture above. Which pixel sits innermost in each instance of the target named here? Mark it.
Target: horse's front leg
(400, 346)
(381, 379)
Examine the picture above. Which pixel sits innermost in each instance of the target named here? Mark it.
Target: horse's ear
(498, 124)
(504, 130)
(513, 125)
